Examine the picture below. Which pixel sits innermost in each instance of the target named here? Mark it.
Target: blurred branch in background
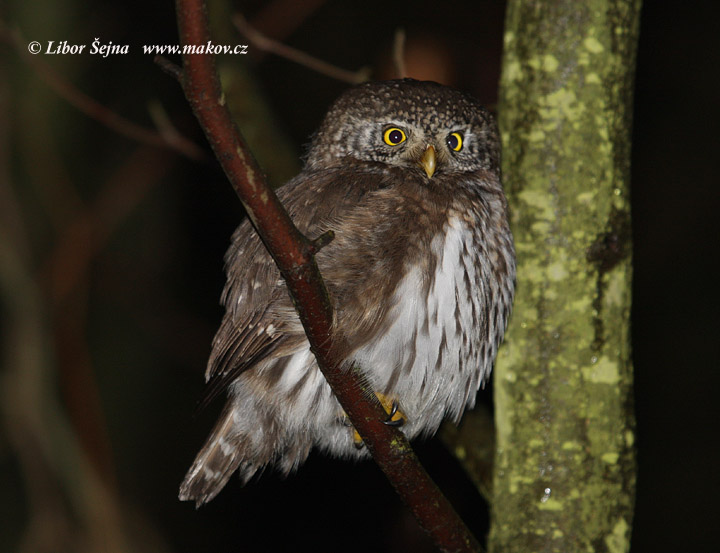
(266, 44)
(166, 136)
(278, 19)
(58, 433)
(91, 226)
(72, 502)
(398, 53)
(52, 410)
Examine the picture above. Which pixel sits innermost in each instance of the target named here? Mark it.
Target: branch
(165, 137)
(293, 254)
(267, 44)
(398, 54)
(81, 239)
(280, 18)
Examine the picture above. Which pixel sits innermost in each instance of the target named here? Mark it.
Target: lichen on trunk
(565, 466)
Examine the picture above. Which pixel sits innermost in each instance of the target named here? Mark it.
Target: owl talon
(393, 409)
(395, 416)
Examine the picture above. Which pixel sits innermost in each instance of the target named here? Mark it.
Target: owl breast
(440, 337)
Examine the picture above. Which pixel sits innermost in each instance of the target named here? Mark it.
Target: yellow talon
(395, 417)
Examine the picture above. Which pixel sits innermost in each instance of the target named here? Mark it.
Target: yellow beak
(427, 161)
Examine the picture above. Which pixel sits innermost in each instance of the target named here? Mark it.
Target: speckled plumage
(420, 272)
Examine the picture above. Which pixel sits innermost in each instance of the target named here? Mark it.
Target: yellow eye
(455, 141)
(394, 136)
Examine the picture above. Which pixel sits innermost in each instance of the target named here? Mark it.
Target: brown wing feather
(260, 321)
(214, 464)
(250, 330)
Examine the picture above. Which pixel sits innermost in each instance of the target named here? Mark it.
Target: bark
(565, 464)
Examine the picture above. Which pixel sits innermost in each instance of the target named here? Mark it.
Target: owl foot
(395, 417)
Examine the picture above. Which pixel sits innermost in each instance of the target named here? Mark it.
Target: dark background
(139, 235)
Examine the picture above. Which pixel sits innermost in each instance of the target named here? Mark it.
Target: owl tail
(218, 459)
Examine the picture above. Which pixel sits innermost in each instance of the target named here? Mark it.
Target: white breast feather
(418, 336)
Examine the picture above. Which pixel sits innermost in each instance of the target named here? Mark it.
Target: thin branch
(399, 53)
(95, 110)
(292, 253)
(172, 69)
(69, 504)
(87, 233)
(280, 18)
(267, 44)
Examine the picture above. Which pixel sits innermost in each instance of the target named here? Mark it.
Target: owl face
(418, 126)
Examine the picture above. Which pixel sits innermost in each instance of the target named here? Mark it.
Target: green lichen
(611, 458)
(564, 462)
(550, 505)
(619, 540)
(603, 371)
(593, 45)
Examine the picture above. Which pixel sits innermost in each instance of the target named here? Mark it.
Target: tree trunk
(565, 466)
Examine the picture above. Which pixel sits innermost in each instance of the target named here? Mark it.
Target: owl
(420, 273)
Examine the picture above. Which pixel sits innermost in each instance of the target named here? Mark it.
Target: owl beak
(427, 161)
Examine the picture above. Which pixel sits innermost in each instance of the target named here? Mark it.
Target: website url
(209, 48)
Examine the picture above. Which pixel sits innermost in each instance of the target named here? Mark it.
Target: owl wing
(255, 325)
(260, 321)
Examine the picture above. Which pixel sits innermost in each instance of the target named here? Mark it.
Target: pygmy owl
(420, 273)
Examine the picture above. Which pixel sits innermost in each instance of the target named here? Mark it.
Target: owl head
(415, 125)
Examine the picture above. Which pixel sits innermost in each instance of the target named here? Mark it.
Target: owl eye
(455, 141)
(394, 136)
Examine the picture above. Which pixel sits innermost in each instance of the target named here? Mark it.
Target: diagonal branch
(293, 254)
